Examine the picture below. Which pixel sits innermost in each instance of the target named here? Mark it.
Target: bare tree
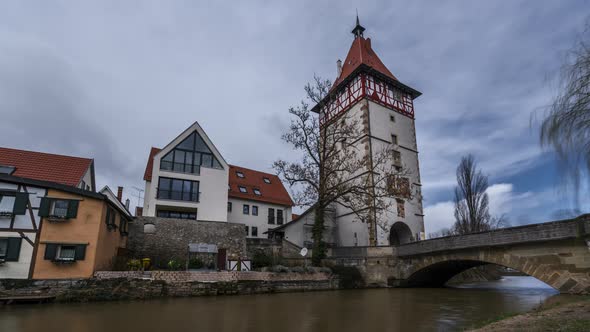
(471, 200)
(336, 169)
(566, 128)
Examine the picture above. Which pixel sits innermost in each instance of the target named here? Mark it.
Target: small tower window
(392, 118)
(243, 189)
(240, 174)
(394, 139)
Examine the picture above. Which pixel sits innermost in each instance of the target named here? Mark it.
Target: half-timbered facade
(50, 223)
(382, 106)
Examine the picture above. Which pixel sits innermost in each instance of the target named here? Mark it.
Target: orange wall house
(80, 234)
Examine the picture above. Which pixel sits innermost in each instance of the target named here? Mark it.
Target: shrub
(261, 259)
(195, 263)
(174, 265)
(280, 269)
(298, 269)
(134, 265)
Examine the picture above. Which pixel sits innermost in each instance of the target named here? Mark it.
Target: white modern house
(366, 91)
(190, 179)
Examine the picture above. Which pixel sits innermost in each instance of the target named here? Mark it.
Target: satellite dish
(303, 252)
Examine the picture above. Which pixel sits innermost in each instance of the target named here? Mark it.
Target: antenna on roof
(138, 195)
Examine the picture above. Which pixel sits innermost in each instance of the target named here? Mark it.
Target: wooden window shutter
(13, 251)
(80, 252)
(72, 209)
(50, 251)
(20, 203)
(108, 217)
(44, 207)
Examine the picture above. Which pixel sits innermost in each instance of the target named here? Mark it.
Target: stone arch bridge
(557, 253)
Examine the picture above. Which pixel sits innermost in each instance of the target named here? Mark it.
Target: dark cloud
(108, 80)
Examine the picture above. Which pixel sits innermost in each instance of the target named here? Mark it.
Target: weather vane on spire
(358, 29)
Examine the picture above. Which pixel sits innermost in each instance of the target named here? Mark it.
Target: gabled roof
(273, 192)
(64, 188)
(108, 193)
(361, 53)
(147, 175)
(41, 166)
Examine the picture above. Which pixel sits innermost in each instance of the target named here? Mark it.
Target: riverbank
(135, 285)
(561, 313)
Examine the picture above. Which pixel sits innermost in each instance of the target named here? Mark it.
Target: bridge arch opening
(399, 233)
(438, 274)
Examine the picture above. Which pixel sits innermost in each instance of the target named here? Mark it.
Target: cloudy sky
(109, 79)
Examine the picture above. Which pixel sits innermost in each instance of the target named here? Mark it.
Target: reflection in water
(355, 310)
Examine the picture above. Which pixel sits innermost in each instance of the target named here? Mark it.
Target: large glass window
(189, 156)
(178, 190)
(176, 214)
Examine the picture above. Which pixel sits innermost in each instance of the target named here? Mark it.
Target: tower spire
(358, 29)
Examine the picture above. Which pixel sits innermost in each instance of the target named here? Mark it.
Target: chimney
(369, 43)
(127, 204)
(339, 66)
(120, 194)
(138, 211)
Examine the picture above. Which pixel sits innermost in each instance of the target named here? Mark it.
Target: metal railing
(178, 195)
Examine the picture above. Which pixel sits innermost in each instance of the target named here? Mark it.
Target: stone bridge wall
(557, 253)
(551, 231)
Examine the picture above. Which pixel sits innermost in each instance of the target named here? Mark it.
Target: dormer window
(240, 174)
(266, 180)
(7, 169)
(256, 192)
(243, 189)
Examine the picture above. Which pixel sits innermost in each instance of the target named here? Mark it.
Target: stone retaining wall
(170, 238)
(213, 276)
(109, 286)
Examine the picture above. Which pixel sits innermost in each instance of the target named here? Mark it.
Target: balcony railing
(180, 167)
(176, 195)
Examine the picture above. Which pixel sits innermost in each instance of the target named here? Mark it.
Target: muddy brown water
(444, 309)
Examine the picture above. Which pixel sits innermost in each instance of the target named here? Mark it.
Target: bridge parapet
(550, 231)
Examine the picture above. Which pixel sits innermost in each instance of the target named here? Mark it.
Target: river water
(444, 309)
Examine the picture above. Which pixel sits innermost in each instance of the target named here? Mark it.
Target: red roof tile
(41, 166)
(147, 175)
(361, 53)
(273, 192)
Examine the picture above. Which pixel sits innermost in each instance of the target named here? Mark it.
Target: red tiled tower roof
(41, 166)
(361, 53)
